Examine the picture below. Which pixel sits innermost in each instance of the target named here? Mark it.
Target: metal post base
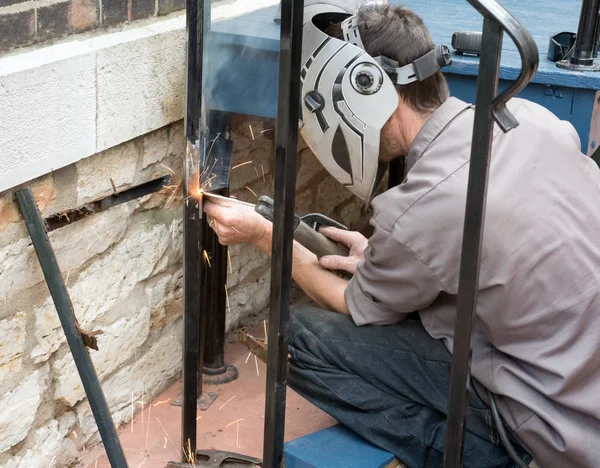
(219, 459)
(219, 376)
(566, 64)
(204, 401)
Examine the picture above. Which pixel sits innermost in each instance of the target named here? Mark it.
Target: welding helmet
(347, 96)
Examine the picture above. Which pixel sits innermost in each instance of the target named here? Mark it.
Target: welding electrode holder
(306, 229)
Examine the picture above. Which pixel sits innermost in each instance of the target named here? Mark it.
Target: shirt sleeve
(389, 283)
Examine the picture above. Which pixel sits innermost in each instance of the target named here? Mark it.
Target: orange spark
(206, 258)
(223, 405)
(240, 165)
(233, 422)
(161, 402)
(253, 192)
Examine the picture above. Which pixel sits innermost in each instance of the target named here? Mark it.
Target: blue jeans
(389, 384)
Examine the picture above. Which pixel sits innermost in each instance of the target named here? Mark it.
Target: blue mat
(334, 447)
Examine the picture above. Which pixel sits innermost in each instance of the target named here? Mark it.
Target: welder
(376, 354)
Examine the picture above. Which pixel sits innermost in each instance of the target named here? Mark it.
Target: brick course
(58, 18)
(16, 28)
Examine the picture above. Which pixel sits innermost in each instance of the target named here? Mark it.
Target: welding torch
(305, 227)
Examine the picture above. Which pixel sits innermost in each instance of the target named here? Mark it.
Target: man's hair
(400, 34)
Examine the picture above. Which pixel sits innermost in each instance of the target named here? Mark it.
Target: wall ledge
(65, 102)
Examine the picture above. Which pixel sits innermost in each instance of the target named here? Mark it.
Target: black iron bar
(286, 140)
(214, 303)
(215, 309)
(487, 86)
(64, 308)
(583, 53)
(191, 381)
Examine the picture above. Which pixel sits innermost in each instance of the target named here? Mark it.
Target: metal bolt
(559, 92)
(548, 90)
(211, 394)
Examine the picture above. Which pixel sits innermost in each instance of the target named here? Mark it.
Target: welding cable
(502, 433)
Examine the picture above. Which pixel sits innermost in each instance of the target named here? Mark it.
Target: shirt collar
(434, 125)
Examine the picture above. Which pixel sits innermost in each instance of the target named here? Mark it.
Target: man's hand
(354, 240)
(236, 224)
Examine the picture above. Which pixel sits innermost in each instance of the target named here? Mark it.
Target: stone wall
(122, 267)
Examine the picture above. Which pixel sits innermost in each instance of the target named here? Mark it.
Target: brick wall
(25, 22)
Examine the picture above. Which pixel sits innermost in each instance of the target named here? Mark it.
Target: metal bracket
(219, 459)
(204, 401)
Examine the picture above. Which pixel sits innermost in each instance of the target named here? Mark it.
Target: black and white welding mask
(348, 96)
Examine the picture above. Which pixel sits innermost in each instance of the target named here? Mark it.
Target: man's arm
(237, 224)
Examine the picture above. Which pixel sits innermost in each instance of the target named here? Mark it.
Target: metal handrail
(488, 107)
(527, 50)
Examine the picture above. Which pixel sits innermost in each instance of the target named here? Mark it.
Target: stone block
(94, 173)
(161, 293)
(60, 112)
(354, 215)
(247, 300)
(155, 147)
(244, 259)
(19, 268)
(9, 212)
(18, 28)
(176, 141)
(114, 12)
(305, 202)
(145, 378)
(53, 20)
(82, 15)
(176, 235)
(141, 82)
(309, 168)
(102, 285)
(44, 192)
(118, 342)
(77, 243)
(12, 342)
(51, 446)
(19, 408)
(330, 194)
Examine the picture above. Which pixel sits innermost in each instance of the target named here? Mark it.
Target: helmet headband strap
(419, 70)
(350, 31)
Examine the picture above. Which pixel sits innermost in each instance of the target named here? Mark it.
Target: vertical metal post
(64, 308)
(191, 384)
(214, 297)
(288, 113)
(585, 49)
(487, 86)
(214, 290)
(584, 44)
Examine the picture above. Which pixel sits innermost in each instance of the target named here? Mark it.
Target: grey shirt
(536, 337)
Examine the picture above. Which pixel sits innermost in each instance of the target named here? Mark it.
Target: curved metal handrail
(527, 50)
